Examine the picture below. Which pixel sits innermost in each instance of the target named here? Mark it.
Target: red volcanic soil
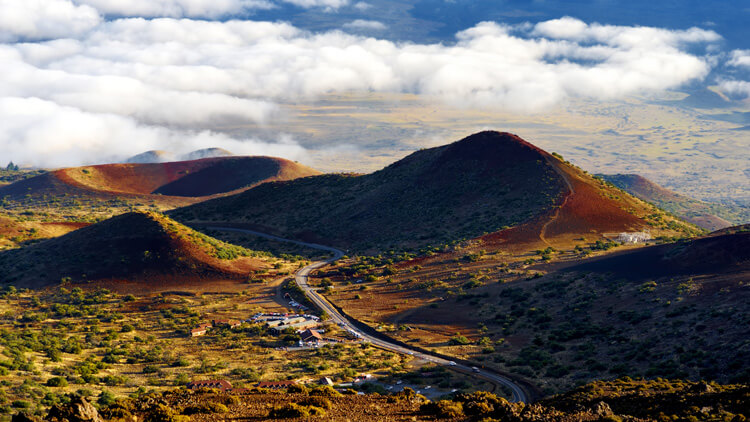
(584, 208)
(188, 179)
(587, 209)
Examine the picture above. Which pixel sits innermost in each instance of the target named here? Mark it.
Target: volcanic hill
(138, 246)
(483, 184)
(165, 185)
(710, 216)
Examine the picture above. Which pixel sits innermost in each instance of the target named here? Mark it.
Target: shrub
(57, 382)
(317, 401)
(297, 389)
(21, 404)
(163, 413)
(325, 391)
(458, 339)
(443, 409)
(294, 410)
(209, 407)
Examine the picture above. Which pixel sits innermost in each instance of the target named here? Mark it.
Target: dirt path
(571, 192)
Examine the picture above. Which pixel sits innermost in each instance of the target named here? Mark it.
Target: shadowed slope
(134, 246)
(479, 184)
(724, 252)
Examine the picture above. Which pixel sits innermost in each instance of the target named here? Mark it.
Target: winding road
(518, 393)
(571, 192)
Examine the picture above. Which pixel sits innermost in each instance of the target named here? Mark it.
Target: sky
(91, 81)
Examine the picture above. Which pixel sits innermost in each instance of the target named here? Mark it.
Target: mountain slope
(674, 310)
(135, 246)
(482, 184)
(164, 185)
(707, 215)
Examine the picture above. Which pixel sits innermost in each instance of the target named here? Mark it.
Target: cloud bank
(89, 86)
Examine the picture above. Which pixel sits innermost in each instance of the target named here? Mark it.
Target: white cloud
(126, 96)
(330, 4)
(366, 25)
(43, 133)
(735, 88)
(163, 78)
(362, 6)
(740, 58)
(44, 19)
(176, 8)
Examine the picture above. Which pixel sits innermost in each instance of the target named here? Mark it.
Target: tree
(11, 166)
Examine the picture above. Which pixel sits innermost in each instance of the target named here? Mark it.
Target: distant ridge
(707, 215)
(206, 153)
(161, 156)
(150, 157)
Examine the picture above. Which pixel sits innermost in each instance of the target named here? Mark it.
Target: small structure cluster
(278, 323)
(222, 385)
(203, 328)
(634, 237)
(276, 385)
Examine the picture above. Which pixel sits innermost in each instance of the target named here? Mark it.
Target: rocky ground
(621, 400)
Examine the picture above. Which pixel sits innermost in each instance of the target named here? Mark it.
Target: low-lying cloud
(35, 131)
(176, 8)
(126, 85)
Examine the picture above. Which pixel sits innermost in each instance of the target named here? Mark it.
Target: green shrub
(294, 410)
(209, 407)
(317, 401)
(458, 339)
(57, 382)
(297, 389)
(21, 404)
(324, 391)
(443, 409)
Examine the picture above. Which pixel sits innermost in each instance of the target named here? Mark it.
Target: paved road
(302, 277)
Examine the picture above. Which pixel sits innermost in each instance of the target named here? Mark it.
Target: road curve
(301, 277)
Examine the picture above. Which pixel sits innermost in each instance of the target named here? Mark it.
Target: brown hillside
(589, 209)
(204, 177)
(136, 246)
(109, 189)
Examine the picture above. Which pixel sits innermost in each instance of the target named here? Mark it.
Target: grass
(99, 343)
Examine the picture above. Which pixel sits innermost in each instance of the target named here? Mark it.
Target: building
(276, 385)
(231, 323)
(297, 326)
(634, 237)
(222, 385)
(310, 336)
(195, 332)
(325, 381)
(285, 321)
